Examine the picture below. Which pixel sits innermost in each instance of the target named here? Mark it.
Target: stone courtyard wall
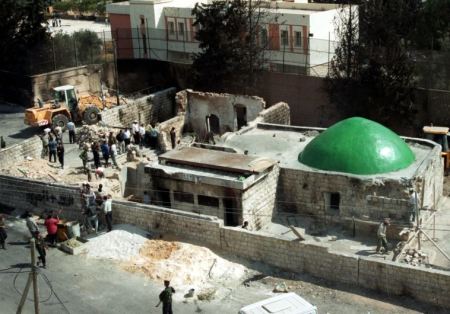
(317, 259)
(11, 155)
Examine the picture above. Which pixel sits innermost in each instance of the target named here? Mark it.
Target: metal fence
(310, 56)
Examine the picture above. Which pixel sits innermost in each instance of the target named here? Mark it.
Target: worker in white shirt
(135, 129)
(107, 210)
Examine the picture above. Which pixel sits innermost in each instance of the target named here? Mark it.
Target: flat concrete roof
(284, 144)
(213, 159)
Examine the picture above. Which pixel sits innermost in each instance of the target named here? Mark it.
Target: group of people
(95, 202)
(51, 223)
(110, 145)
(144, 135)
(52, 142)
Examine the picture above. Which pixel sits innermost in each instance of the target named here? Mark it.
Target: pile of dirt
(187, 266)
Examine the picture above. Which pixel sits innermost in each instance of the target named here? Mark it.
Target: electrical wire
(20, 293)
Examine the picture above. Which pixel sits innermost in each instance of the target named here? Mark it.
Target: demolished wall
(152, 109)
(280, 113)
(200, 105)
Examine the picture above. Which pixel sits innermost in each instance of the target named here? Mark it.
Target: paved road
(12, 127)
(94, 286)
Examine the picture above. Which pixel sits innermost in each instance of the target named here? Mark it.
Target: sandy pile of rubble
(39, 169)
(187, 266)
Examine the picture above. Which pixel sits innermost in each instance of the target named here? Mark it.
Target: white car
(287, 303)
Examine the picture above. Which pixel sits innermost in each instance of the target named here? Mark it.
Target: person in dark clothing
(52, 148)
(96, 153)
(105, 152)
(173, 137)
(3, 234)
(120, 142)
(60, 152)
(41, 247)
(2, 142)
(165, 297)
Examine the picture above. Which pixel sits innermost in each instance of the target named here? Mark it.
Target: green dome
(358, 146)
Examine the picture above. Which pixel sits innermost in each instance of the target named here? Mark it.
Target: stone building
(233, 187)
(356, 172)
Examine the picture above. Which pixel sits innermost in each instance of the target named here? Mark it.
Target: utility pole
(116, 72)
(32, 277)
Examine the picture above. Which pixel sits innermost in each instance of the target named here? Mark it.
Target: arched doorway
(214, 123)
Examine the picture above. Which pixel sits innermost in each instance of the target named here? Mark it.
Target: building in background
(300, 36)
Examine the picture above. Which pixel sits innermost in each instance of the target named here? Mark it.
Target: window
(332, 202)
(285, 38)
(264, 38)
(183, 197)
(171, 28)
(298, 39)
(181, 30)
(208, 201)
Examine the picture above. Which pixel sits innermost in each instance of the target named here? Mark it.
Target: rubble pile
(38, 169)
(90, 133)
(415, 257)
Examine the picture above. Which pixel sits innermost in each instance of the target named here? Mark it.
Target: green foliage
(434, 25)
(230, 59)
(82, 6)
(82, 47)
(372, 74)
(22, 29)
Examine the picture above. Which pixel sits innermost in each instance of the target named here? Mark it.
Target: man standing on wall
(165, 297)
(381, 234)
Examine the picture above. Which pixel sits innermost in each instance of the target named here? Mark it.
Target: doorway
(164, 194)
(241, 116)
(231, 217)
(332, 202)
(214, 124)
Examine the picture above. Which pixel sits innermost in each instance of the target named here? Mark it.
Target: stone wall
(153, 108)
(13, 154)
(317, 259)
(279, 113)
(199, 105)
(178, 123)
(84, 78)
(24, 194)
(258, 202)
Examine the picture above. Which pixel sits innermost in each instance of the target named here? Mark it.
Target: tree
(372, 73)
(231, 57)
(22, 29)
